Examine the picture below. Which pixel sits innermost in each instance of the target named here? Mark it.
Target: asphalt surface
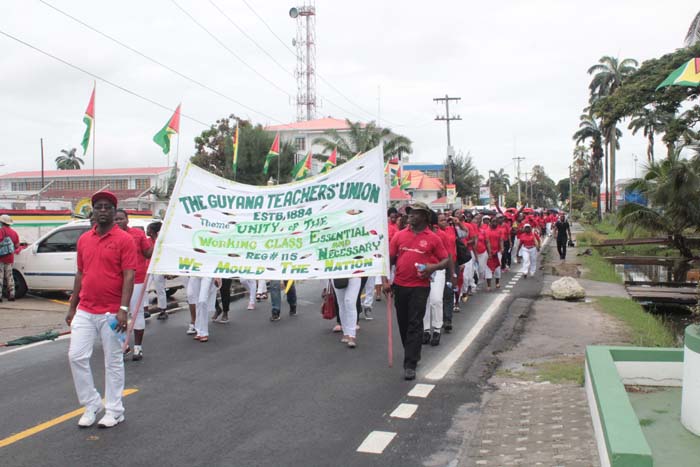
(260, 393)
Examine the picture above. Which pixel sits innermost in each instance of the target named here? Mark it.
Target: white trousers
(252, 286)
(529, 260)
(262, 286)
(158, 282)
(368, 301)
(516, 244)
(496, 273)
(347, 309)
(203, 290)
(433, 310)
(468, 274)
(85, 328)
(482, 258)
(136, 307)
(549, 228)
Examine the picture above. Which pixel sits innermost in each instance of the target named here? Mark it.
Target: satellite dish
(293, 12)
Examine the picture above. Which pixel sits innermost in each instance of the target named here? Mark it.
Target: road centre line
(50, 423)
(440, 370)
(376, 442)
(404, 411)
(421, 390)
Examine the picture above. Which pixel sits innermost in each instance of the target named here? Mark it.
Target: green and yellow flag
(162, 138)
(235, 150)
(331, 162)
(274, 152)
(89, 120)
(302, 169)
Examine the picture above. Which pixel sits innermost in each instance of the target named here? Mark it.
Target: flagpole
(94, 122)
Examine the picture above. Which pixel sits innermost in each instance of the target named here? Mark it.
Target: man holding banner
(417, 253)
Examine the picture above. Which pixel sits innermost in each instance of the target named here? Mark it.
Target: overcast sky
(519, 67)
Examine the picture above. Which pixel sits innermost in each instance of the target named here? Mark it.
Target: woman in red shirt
(494, 247)
(530, 245)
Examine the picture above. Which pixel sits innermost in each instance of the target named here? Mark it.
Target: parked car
(49, 264)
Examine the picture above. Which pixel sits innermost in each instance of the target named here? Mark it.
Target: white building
(303, 134)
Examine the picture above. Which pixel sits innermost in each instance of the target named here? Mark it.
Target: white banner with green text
(329, 225)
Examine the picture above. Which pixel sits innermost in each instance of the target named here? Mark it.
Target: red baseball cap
(109, 196)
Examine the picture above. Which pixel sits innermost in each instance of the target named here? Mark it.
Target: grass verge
(562, 370)
(646, 330)
(599, 269)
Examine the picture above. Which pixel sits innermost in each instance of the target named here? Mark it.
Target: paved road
(258, 393)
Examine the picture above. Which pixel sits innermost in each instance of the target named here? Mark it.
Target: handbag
(571, 243)
(463, 255)
(341, 282)
(328, 303)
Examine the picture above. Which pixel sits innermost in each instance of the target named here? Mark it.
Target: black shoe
(435, 341)
(409, 374)
(292, 310)
(146, 314)
(275, 317)
(11, 299)
(447, 326)
(162, 315)
(426, 337)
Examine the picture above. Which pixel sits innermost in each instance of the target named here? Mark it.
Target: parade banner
(451, 193)
(328, 226)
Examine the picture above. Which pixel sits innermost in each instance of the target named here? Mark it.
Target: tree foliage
(69, 160)
(467, 178)
(213, 152)
(362, 137)
(499, 182)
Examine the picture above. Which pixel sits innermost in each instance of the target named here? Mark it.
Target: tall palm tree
(589, 129)
(69, 160)
(363, 137)
(650, 121)
(499, 183)
(608, 74)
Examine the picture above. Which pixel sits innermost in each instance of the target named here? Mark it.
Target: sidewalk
(537, 412)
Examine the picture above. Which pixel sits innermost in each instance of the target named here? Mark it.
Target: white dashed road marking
(376, 442)
(421, 390)
(404, 411)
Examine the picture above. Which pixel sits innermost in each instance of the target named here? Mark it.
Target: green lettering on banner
(188, 264)
(334, 266)
(360, 190)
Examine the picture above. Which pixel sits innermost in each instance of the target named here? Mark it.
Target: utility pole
(526, 186)
(517, 162)
(571, 194)
(447, 118)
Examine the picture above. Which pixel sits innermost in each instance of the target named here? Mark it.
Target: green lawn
(646, 330)
(599, 269)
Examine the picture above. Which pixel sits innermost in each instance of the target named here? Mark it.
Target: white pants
(203, 290)
(529, 260)
(516, 244)
(496, 273)
(468, 274)
(369, 291)
(251, 285)
(549, 228)
(482, 258)
(347, 309)
(85, 328)
(433, 310)
(136, 307)
(158, 282)
(262, 286)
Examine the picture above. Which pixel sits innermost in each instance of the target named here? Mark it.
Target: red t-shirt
(410, 248)
(9, 232)
(529, 240)
(449, 239)
(102, 260)
(393, 228)
(505, 231)
(481, 241)
(472, 231)
(494, 237)
(141, 243)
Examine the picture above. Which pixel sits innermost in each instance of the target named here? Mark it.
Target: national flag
(235, 150)
(331, 162)
(406, 181)
(687, 74)
(89, 120)
(303, 168)
(396, 178)
(162, 138)
(274, 152)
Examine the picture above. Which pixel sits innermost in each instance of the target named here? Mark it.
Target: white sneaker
(109, 420)
(89, 417)
(191, 330)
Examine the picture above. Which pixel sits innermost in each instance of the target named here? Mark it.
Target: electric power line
(153, 60)
(104, 80)
(228, 49)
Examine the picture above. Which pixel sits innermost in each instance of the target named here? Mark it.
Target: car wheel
(20, 284)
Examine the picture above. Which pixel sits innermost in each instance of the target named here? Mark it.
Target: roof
(424, 166)
(125, 171)
(420, 181)
(442, 200)
(397, 194)
(320, 124)
(122, 195)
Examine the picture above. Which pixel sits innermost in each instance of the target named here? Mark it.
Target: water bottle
(420, 267)
(114, 325)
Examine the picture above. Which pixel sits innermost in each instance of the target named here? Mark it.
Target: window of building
(300, 143)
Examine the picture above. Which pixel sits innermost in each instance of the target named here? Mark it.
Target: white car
(49, 264)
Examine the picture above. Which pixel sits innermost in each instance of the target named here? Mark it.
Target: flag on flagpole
(162, 138)
(405, 181)
(687, 74)
(396, 178)
(274, 152)
(235, 150)
(331, 162)
(89, 120)
(303, 168)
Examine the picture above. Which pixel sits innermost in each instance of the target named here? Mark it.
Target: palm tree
(69, 161)
(590, 129)
(499, 183)
(671, 186)
(362, 137)
(650, 121)
(608, 75)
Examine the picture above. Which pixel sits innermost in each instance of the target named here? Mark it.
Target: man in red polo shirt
(417, 253)
(144, 249)
(103, 285)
